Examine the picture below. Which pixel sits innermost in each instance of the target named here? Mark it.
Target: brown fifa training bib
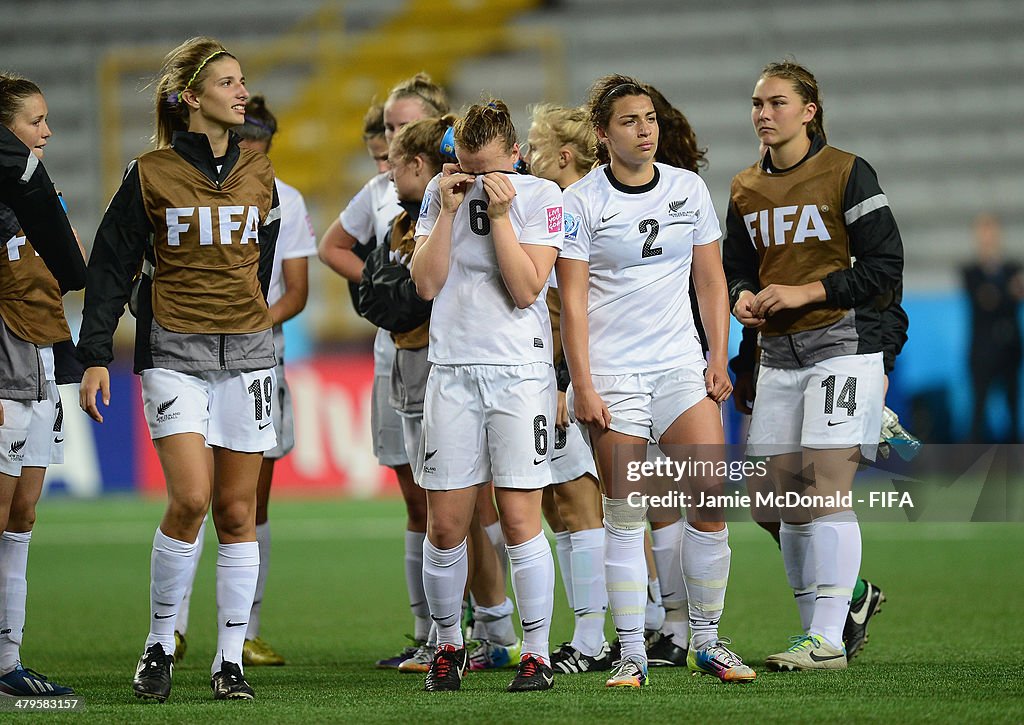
(30, 300)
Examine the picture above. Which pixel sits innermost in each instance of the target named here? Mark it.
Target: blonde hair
(422, 86)
(483, 123)
(422, 138)
(187, 66)
(568, 127)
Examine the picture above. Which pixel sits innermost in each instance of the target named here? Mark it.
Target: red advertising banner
(333, 447)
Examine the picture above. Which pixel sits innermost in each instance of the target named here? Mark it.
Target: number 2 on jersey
(650, 228)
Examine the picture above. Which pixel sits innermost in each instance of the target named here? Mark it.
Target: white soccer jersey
(639, 243)
(295, 239)
(474, 320)
(367, 218)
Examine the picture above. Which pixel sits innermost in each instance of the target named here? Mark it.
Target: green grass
(947, 647)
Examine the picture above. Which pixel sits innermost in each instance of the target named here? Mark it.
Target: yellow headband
(200, 68)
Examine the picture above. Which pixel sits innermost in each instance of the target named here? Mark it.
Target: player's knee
(234, 517)
(628, 514)
(188, 509)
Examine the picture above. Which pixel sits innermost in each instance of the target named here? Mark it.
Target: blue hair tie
(447, 148)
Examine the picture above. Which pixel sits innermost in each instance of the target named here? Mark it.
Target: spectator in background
(995, 287)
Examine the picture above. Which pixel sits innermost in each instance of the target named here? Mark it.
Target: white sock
(667, 546)
(13, 592)
(444, 580)
(706, 557)
(654, 612)
(533, 581)
(837, 552)
(171, 567)
(626, 575)
(589, 591)
(495, 623)
(414, 583)
(181, 621)
(497, 538)
(263, 540)
(796, 541)
(238, 568)
(563, 549)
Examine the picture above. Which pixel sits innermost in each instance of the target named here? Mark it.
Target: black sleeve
(562, 375)
(387, 294)
(116, 254)
(874, 241)
(27, 189)
(268, 244)
(739, 258)
(746, 357)
(895, 324)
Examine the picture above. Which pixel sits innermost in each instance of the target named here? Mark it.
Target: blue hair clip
(448, 144)
(172, 98)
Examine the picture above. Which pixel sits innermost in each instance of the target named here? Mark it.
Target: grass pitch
(947, 646)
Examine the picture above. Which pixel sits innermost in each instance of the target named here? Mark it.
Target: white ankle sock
(495, 623)
(667, 546)
(171, 566)
(533, 581)
(238, 568)
(837, 554)
(706, 558)
(13, 592)
(563, 550)
(263, 540)
(414, 583)
(626, 575)
(589, 591)
(444, 580)
(796, 542)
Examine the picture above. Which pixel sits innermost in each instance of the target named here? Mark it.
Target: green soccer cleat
(808, 652)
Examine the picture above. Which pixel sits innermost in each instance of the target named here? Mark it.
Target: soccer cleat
(533, 675)
(257, 653)
(420, 660)
(664, 652)
(153, 675)
(487, 655)
(808, 652)
(568, 660)
(180, 646)
(719, 661)
(446, 669)
(22, 682)
(628, 673)
(855, 633)
(229, 684)
(393, 663)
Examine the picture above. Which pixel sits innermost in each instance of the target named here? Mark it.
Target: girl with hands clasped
(635, 233)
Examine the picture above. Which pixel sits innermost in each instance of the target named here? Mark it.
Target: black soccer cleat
(152, 679)
(229, 684)
(532, 676)
(567, 660)
(664, 652)
(855, 633)
(446, 669)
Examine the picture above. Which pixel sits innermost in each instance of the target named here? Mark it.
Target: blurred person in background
(995, 288)
(374, 138)
(36, 353)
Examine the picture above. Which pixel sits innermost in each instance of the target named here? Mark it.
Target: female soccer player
(634, 230)
(346, 243)
(486, 242)
(796, 220)
(200, 215)
(560, 148)
(34, 333)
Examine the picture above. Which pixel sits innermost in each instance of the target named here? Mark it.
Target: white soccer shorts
(14, 435)
(284, 417)
(488, 423)
(386, 425)
(836, 403)
(571, 456)
(230, 409)
(45, 442)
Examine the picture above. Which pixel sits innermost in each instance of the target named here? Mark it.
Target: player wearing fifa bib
(486, 242)
(634, 229)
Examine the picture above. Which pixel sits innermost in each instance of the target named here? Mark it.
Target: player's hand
(96, 379)
(562, 412)
(500, 194)
(777, 297)
(742, 311)
(453, 186)
(590, 410)
(743, 393)
(717, 383)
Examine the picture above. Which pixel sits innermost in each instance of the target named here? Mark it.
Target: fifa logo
(771, 226)
(230, 220)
